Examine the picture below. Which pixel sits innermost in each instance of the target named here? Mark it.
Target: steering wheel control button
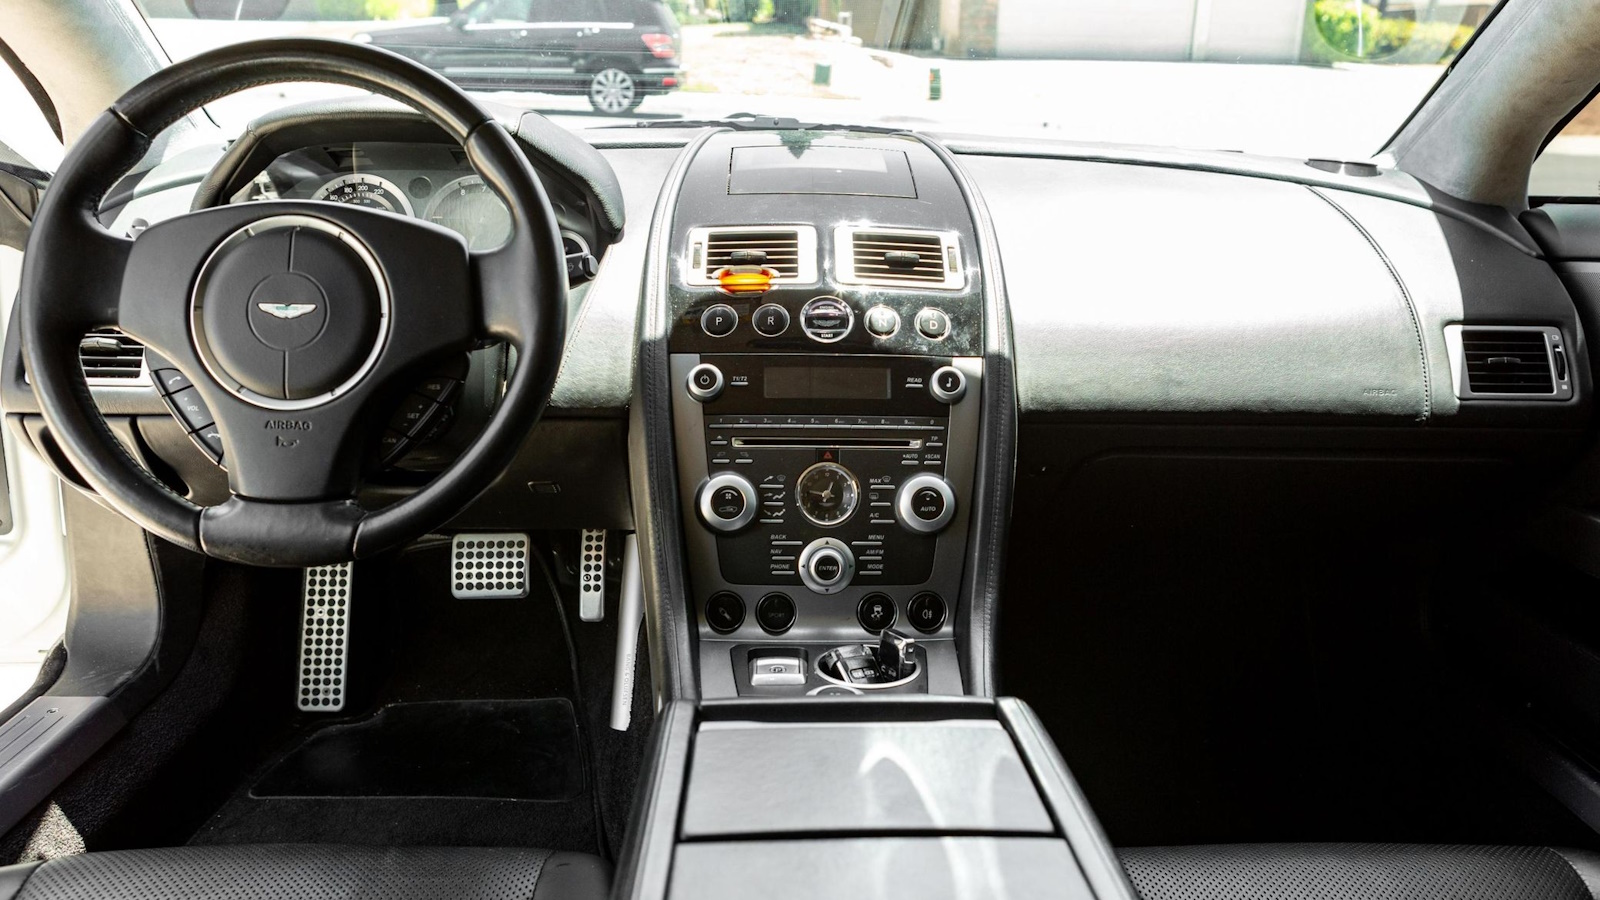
(826, 566)
(925, 504)
(210, 440)
(948, 384)
(933, 324)
(776, 671)
(191, 409)
(771, 320)
(391, 446)
(289, 311)
(412, 414)
(876, 612)
(826, 319)
(775, 613)
(169, 381)
(725, 612)
(727, 502)
(705, 382)
(719, 320)
(926, 612)
(827, 494)
(882, 322)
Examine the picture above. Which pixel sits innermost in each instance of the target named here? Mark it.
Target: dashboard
(948, 332)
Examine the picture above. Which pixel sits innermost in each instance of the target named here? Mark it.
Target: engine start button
(826, 319)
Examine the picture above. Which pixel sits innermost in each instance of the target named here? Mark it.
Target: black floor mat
(495, 749)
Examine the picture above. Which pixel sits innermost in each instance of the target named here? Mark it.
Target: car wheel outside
(614, 91)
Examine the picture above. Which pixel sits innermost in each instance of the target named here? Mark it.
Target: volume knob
(727, 502)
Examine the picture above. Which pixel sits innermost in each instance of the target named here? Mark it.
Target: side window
(1570, 163)
(564, 10)
(499, 12)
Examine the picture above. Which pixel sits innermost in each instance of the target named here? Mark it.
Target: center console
(826, 367)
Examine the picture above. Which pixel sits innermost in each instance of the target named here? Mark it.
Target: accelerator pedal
(485, 566)
(324, 637)
(592, 575)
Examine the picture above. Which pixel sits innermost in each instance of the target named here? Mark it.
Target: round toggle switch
(925, 504)
(826, 566)
(727, 502)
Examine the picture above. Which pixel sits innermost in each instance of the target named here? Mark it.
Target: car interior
(459, 505)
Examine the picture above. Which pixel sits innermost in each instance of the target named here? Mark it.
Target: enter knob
(826, 566)
(925, 504)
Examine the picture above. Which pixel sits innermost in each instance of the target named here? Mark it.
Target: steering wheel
(296, 322)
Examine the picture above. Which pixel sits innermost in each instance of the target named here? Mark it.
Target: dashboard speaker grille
(778, 250)
(111, 355)
(1507, 361)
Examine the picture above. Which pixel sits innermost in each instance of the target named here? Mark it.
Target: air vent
(899, 258)
(1509, 362)
(790, 250)
(110, 356)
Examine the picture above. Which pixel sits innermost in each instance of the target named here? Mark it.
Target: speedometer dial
(365, 190)
(467, 207)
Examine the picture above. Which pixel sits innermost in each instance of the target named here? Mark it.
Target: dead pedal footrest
(324, 637)
(487, 566)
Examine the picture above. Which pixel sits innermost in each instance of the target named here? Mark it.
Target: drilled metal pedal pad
(592, 575)
(489, 566)
(324, 637)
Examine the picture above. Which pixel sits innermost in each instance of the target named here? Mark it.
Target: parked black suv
(616, 51)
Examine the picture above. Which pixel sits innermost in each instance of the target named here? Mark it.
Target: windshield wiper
(744, 121)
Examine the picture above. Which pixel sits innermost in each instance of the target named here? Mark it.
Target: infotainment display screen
(832, 383)
(821, 169)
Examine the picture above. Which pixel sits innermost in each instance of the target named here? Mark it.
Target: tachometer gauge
(365, 190)
(467, 207)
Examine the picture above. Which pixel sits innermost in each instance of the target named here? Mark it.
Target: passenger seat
(1361, 872)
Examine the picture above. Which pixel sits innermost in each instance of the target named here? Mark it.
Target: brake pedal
(592, 575)
(489, 566)
(324, 637)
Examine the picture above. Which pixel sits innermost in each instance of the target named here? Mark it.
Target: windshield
(1328, 78)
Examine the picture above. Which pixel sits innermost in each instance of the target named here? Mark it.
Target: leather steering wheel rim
(77, 276)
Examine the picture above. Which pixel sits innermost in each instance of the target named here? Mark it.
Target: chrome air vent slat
(899, 257)
(110, 357)
(1511, 362)
(791, 250)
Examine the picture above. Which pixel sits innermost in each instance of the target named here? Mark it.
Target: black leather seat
(1361, 872)
(311, 872)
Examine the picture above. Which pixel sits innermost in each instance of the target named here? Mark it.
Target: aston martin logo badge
(287, 310)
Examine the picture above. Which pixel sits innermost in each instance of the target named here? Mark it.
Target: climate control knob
(826, 566)
(727, 502)
(925, 504)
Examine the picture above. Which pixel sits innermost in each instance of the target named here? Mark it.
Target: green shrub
(374, 9)
(399, 9)
(1349, 31)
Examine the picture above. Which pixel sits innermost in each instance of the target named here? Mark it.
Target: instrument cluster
(424, 181)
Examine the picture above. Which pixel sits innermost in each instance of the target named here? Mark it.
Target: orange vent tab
(746, 279)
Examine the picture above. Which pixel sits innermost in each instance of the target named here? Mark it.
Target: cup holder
(865, 667)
